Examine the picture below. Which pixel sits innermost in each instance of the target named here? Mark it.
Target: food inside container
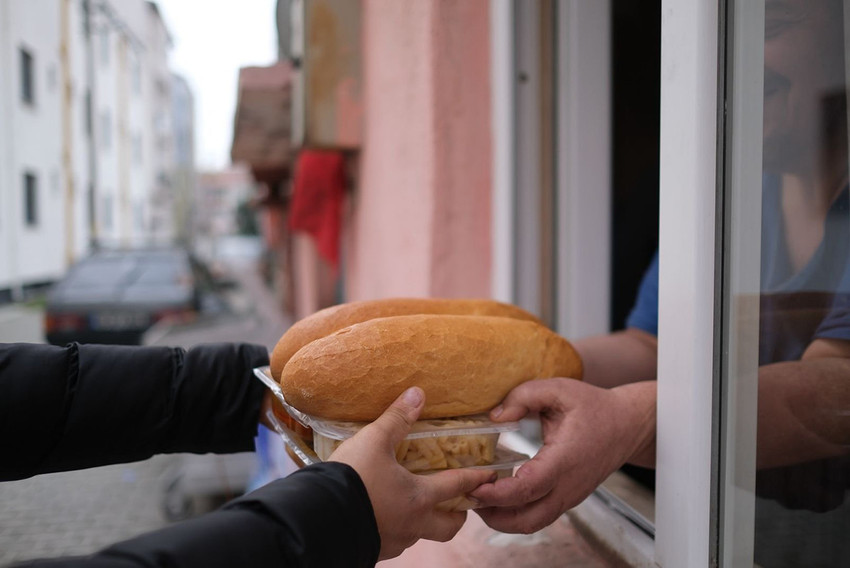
(280, 412)
(470, 446)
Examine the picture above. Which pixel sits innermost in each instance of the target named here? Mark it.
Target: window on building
(27, 77)
(139, 215)
(105, 45)
(30, 199)
(136, 74)
(87, 113)
(137, 150)
(107, 213)
(106, 130)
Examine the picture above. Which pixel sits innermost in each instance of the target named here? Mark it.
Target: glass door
(784, 492)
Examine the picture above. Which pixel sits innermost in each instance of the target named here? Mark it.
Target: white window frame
(742, 151)
(502, 71)
(584, 157)
(686, 290)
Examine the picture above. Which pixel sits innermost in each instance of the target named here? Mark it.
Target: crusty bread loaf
(329, 320)
(465, 365)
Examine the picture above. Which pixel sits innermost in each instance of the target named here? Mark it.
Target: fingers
(396, 421)
(446, 485)
(532, 396)
(532, 481)
(524, 520)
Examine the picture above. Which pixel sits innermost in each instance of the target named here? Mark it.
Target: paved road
(80, 512)
(21, 323)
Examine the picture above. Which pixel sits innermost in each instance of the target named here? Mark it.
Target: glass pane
(788, 310)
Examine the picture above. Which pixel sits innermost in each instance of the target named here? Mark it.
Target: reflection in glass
(803, 478)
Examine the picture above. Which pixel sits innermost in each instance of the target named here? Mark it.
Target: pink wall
(461, 237)
(419, 222)
(313, 278)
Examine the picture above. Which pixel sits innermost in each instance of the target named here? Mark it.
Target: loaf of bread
(329, 320)
(465, 365)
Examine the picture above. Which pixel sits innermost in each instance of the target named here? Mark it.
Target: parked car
(114, 296)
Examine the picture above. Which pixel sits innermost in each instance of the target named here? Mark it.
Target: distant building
(87, 153)
(219, 196)
(183, 172)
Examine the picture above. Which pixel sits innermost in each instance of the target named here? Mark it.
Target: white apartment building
(32, 195)
(86, 153)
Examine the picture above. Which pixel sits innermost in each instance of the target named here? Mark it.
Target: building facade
(88, 157)
(31, 144)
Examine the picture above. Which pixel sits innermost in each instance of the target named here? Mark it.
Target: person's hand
(588, 432)
(404, 503)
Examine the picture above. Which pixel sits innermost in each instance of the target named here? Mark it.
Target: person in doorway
(87, 405)
(803, 430)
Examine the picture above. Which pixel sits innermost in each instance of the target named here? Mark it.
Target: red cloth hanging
(316, 206)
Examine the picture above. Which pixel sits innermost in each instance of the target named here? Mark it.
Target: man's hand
(588, 432)
(404, 503)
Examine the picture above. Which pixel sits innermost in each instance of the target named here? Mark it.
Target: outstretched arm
(359, 507)
(87, 405)
(618, 358)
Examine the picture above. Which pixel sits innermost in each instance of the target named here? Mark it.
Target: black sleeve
(87, 405)
(319, 516)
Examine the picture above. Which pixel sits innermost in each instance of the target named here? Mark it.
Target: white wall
(5, 118)
(31, 143)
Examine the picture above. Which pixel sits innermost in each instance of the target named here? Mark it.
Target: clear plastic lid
(337, 430)
(504, 458)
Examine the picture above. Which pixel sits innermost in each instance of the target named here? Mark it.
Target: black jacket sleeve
(319, 516)
(87, 405)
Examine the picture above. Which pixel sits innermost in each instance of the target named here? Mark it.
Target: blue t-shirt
(796, 308)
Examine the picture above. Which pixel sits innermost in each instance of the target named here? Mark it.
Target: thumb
(395, 423)
(531, 396)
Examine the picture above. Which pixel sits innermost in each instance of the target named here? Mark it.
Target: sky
(212, 40)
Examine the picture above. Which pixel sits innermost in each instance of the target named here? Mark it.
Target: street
(80, 512)
(21, 322)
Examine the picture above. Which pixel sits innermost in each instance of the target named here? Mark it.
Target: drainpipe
(91, 109)
(67, 133)
(122, 145)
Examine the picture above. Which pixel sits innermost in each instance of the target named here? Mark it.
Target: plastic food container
(432, 445)
(459, 448)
